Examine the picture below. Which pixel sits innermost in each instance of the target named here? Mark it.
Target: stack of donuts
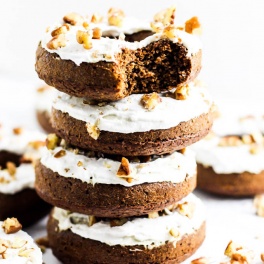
(118, 170)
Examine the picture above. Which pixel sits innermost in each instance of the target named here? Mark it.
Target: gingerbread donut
(94, 183)
(168, 236)
(136, 125)
(100, 63)
(230, 161)
(19, 150)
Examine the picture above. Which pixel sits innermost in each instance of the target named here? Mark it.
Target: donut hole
(6, 156)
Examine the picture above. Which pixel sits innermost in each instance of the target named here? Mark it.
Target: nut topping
(17, 130)
(115, 17)
(60, 153)
(96, 18)
(150, 101)
(166, 17)
(60, 30)
(174, 232)
(182, 92)
(186, 209)
(11, 168)
(56, 42)
(170, 32)
(97, 33)
(93, 130)
(193, 26)
(25, 252)
(11, 225)
(83, 37)
(52, 141)
(73, 19)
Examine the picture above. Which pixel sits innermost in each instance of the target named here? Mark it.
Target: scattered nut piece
(83, 37)
(43, 243)
(182, 92)
(170, 32)
(11, 168)
(174, 232)
(37, 144)
(257, 137)
(118, 222)
(115, 17)
(193, 26)
(86, 25)
(124, 169)
(56, 42)
(166, 17)
(150, 101)
(247, 139)
(96, 18)
(79, 163)
(93, 130)
(186, 209)
(153, 215)
(25, 252)
(156, 26)
(262, 257)
(17, 130)
(201, 260)
(73, 19)
(258, 203)
(60, 30)
(255, 148)
(18, 243)
(11, 225)
(182, 151)
(91, 220)
(229, 141)
(60, 154)
(52, 141)
(97, 33)
(232, 248)
(2, 249)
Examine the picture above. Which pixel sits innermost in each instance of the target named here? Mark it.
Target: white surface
(227, 219)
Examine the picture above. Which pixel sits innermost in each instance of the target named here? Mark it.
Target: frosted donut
(19, 150)
(108, 67)
(171, 237)
(230, 161)
(90, 183)
(127, 127)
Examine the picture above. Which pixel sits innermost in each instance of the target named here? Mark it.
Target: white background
(233, 55)
(233, 38)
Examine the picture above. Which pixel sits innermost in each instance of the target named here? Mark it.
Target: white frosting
(238, 125)
(24, 176)
(44, 99)
(128, 115)
(22, 179)
(105, 49)
(231, 159)
(140, 231)
(173, 168)
(18, 143)
(12, 257)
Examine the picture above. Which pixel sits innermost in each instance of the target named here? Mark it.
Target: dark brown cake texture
(232, 184)
(160, 65)
(108, 200)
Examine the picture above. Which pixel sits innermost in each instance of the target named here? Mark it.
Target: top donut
(108, 58)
